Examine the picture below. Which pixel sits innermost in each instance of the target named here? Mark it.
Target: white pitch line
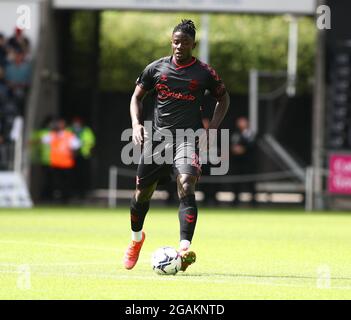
(58, 264)
(56, 245)
(240, 281)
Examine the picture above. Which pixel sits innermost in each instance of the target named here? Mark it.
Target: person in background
(40, 154)
(3, 134)
(8, 116)
(18, 41)
(3, 86)
(62, 144)
(8, 112)
(18, 78)
(242, 149)
(83, 156)
(3, 51)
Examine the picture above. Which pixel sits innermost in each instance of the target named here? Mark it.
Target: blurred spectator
(3, 149)
(18, 76)
(8, 112)
(3, 51)
(242, 148)
(40, 153)
(62, 144)
(19, 42)
(15, 74)
(3, 86)
(8, 125)
(8, 106)
(3, 134)
(82, 168)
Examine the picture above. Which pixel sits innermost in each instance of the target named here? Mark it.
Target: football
(166, 261)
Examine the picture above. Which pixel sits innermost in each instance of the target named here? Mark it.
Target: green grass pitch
(65, 253)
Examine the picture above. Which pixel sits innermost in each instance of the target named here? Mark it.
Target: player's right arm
(144, 83)
(136, 111)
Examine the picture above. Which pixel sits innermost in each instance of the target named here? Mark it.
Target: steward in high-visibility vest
(82, 172)
(86, 137)
(62, 144)
(61, 153)
(40, 152)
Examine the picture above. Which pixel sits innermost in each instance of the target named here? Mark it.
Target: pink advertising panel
(339, 180)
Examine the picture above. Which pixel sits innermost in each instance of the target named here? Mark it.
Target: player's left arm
(220, 111)
(219, 92)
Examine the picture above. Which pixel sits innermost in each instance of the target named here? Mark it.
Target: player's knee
(143, 195)
(187, 185)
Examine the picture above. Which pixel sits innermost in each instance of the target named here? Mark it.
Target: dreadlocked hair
(186, 26)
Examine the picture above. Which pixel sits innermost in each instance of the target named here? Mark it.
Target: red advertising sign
(339, 180)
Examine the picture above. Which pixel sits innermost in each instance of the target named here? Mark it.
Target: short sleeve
(216, 85)
(146, 79)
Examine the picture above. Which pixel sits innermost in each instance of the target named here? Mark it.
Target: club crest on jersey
(193, 85)
(163, 77)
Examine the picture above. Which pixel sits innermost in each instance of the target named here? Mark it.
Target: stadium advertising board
(254, 6)
(339, 181)
(13, 191)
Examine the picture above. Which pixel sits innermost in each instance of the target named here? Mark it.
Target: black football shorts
(159, 161)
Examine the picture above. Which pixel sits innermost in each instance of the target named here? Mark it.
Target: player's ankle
(184, 245)
(137, 236)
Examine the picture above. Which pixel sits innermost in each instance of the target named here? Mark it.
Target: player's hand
(138, 134)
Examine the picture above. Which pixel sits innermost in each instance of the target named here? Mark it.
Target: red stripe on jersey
(184, 66)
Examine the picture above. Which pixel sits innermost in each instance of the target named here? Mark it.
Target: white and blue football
(166, 261)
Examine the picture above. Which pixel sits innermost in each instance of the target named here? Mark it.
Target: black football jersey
(179, 91)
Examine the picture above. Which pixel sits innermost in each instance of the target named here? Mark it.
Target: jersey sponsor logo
(164, 92)
(193, 85)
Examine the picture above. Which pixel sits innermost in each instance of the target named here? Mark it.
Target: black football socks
(187, 217)
(138, 212)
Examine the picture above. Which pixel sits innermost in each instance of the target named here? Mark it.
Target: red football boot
(132, 254)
